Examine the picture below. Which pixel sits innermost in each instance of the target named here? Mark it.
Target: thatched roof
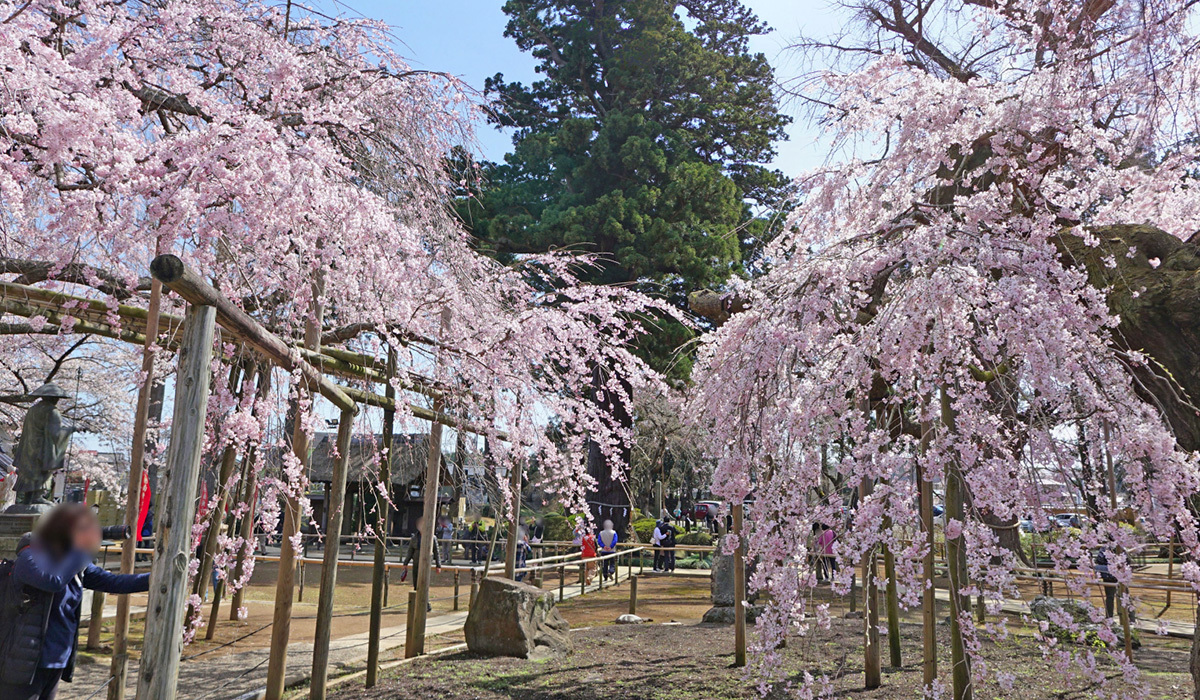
(409, 455)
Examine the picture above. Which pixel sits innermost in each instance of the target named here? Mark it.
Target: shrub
(699, 537)
(644, 528)
(560, 528)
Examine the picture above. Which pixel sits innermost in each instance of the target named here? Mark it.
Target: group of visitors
(595, 546)
(663, 541)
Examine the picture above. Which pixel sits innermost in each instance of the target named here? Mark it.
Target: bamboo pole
(159, 671)
(336, 507)
(957, 561)
(133, 496)
(739, 591)
(382, 510)
(281, 626)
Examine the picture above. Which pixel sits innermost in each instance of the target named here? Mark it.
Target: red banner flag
(143, 505)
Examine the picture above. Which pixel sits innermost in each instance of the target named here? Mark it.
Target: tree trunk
(610, 500)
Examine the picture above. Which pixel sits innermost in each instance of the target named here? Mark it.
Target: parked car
(705, 510)
(1067, 520)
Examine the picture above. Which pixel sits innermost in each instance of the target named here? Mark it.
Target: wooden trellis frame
(207, 309)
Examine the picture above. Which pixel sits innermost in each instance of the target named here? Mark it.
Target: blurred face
(86, 533)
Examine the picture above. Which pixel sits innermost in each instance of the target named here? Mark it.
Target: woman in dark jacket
(51, 570)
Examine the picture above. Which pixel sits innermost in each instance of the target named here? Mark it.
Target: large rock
(721, 578)
(510, 618)
(720, 588)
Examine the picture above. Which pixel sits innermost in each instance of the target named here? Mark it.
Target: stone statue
(42, 449)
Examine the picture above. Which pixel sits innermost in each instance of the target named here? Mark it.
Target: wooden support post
(336, 509)
(871, 663)
(956, 559)
(510, 552)
(159, 672)
(133, 502)
(1170, 569)
(893, 608)
(433, 479)
(285, 583)
(219, 589)
(424, 572)
(633, 595)
(562, 582)
(382, 510)
(456, 589)
(929, 592)
(410, 644)
(96, 622)
(739, 591)
(474, 590)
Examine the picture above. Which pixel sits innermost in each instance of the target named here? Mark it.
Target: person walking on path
(587, 551)
(608, 540)
(414, 558)
(42, 591)
(475, 539)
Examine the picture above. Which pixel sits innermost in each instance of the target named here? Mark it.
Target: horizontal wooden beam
(185, 282)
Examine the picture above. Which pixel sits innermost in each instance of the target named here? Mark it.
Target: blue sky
(466, 38)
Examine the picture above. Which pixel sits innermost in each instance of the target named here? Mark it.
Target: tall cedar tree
(644, 143)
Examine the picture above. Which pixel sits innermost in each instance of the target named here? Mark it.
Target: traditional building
(409, 457)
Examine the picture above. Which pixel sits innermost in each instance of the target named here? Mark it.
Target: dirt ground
(676, 658)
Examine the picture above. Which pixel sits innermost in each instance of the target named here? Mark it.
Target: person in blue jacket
(42, 601)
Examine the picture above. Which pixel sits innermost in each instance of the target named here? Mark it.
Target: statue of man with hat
(42, 449)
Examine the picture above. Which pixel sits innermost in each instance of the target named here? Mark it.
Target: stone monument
(721, 580)
(41, 451)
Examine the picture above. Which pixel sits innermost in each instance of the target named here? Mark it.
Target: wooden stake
(382, 510)
(159, 672)
(739, 591)
(336, 508)
(133, 496)
(633, 594)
